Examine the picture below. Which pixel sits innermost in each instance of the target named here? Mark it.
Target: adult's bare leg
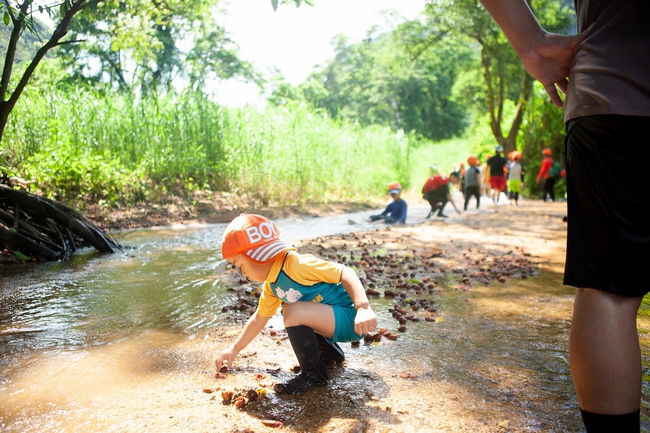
(604, 352)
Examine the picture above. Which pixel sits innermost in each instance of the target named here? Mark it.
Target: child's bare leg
(319, 317)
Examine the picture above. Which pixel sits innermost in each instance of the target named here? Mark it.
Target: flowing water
(122, 342)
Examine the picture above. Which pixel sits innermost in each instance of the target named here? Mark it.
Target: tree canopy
(431, 76)
(150, 45)
(377, 81)
(505, 79)
(429, 73)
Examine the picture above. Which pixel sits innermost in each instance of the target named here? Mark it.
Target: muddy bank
(205, 207)
(202, 208)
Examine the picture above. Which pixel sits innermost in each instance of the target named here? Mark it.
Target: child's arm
(253, 327)
(366, 320)
(388, 209)
(451, 200)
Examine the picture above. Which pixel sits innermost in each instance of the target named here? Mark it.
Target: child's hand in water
(227, 356)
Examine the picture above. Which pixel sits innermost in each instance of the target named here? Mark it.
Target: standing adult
(497, 175)
(546, 175)
(608, 246)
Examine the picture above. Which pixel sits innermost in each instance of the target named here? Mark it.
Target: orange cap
(394, 188)
(472, 160)
(515, 154)
(253, 235)
(546, 152)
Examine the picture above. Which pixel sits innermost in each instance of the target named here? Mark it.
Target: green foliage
(274, 3)
(378, 82)
(79, 143)
(503, 76)
(430, 76)
(69, 173)
(28, 43)
(147, 45)
(444, 155)
(7, 171)
(543, 127)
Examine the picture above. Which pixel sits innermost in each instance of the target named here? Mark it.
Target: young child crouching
(322, 302)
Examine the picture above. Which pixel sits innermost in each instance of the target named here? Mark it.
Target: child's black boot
(312, 370)
(330, 354)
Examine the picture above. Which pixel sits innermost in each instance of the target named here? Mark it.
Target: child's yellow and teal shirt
(302, 277)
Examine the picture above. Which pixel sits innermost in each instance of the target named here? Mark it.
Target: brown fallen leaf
(272, 423)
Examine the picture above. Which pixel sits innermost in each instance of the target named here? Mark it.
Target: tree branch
(75, 41)
(495, 124)
(11, 49)
(60, 31)
(432, 40)
(521, 106)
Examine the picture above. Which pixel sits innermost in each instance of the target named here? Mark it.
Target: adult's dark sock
(599, 423)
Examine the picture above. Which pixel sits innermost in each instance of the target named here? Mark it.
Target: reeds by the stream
(78, 142)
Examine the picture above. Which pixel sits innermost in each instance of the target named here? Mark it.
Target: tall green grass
(444, 155)
(118, 149)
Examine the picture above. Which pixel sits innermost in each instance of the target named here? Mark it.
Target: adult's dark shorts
(608, 239)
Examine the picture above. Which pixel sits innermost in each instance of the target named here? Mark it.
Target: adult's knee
(603, 305)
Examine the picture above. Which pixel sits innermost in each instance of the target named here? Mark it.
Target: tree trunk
(495, 100)
(510, 142)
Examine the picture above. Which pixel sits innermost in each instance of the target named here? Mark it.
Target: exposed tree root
(45, 229)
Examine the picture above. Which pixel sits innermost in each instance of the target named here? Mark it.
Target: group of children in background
(499, 175)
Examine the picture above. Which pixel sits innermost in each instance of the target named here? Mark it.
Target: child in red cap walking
(322, 302)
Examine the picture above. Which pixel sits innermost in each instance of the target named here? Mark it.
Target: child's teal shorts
(344, 324)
